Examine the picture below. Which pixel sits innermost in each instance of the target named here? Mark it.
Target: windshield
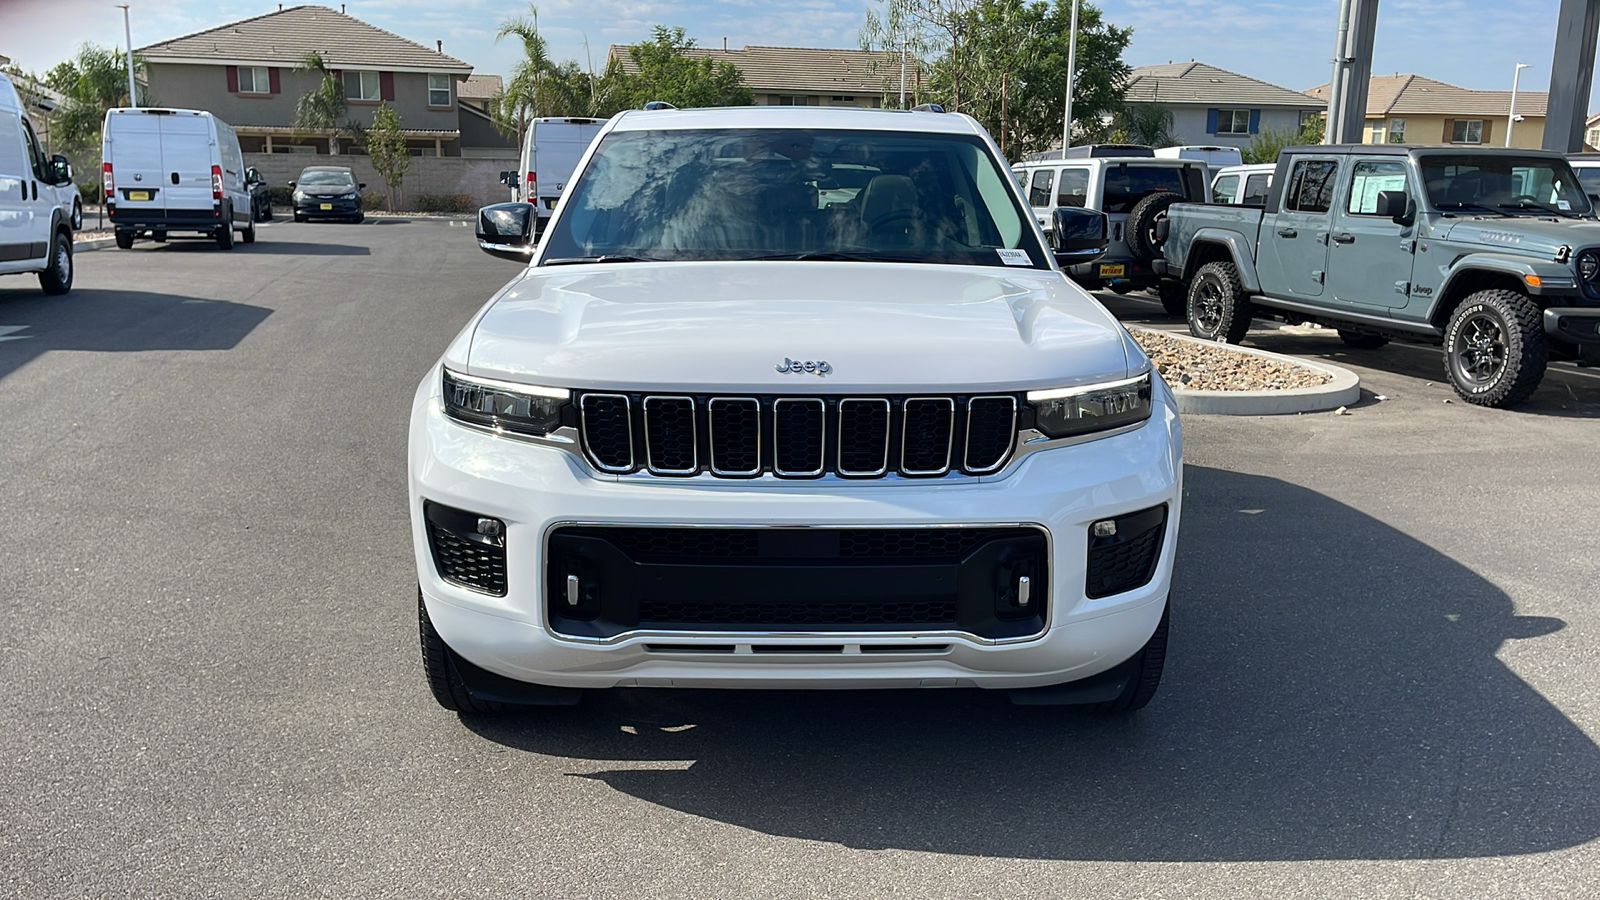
(718, 194)
(1503, 184)
(344, 178)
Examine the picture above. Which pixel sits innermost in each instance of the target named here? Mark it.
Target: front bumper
(535, 489)
(313, 208)
(1578, 324)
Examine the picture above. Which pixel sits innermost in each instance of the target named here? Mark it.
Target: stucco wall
(206, 87)
(1189, 125)
(477, 178)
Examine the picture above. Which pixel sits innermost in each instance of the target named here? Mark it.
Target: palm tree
(520, 101)
(1149, 124)
(322, 108)
(97, 80)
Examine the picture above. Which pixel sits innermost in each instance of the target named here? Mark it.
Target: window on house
(1072, 189)
(362, 86)
(254, 80)
(1397, 131)
(1233, 121)
(1310, 188)
(1374, 131)
(1466, 131)
(1593, 139)
(438, 90)
(1039, 192)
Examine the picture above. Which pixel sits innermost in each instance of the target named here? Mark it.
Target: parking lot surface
(1384, 679)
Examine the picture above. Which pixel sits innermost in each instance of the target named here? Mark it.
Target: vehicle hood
(729, 326)
(1525, 235)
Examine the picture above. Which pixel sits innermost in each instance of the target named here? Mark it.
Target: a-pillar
(1571, 74)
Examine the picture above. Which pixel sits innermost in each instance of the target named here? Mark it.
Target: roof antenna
(438, 45)
(341, 9)
(724, 43)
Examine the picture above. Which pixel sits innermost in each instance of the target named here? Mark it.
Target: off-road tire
(1510, 328)
(1217, 308)
(1361, 340)
(1174, 296)
(1146, 676)
(124, 240)
(1140, 230)
(56, 279)
(439, 665)
(248, 235)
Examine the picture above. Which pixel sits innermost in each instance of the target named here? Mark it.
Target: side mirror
(60, 169)
(251, 176)
(505, 230)
(510, 179)
(294, 184)
(361, 185)
(1396, 205)
(1077, 235)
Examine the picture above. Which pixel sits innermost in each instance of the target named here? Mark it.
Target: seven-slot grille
(798, 437)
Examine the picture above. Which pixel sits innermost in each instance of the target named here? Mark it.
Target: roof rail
(928, 107)
(658, 104)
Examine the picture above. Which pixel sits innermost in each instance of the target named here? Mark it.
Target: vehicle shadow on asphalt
(1333, 692)
(118, 322)
(264, 245)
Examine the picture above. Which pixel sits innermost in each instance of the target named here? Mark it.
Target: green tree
(1266, 143)
(386, 148)
(323, 109)
(521, 101)
(93, 82)
(664, 70)
(1149, 124)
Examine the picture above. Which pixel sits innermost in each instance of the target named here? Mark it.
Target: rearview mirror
(1077, 235)
(60, 169)
(505, 230)
(1396, 205)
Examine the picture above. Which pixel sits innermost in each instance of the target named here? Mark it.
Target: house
(1411, 109)
(1217, 107)
(1591, 132)
(249, 73)
(803, 76)
(478, 90)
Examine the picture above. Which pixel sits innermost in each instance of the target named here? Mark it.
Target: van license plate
(326, 206)
(1112, 270)
(138, 195)
(550, 203)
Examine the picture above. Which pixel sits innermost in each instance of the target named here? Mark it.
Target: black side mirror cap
(294, 183)
(505, 230)
(362, 185)
(1396, 205)
(1077, 235)
(510, 179)
(60, 169)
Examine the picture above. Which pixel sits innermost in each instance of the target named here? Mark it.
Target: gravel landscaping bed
(1215, 367)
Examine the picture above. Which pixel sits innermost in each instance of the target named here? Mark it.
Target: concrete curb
(1343, 390)
(96, 244)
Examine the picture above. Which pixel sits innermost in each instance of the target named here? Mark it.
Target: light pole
(1511, 116)
(1072, 78)
(127, 32)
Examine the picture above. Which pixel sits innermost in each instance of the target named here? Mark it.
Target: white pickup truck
(792, 398)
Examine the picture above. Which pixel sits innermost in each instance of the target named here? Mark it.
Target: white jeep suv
(791, 398)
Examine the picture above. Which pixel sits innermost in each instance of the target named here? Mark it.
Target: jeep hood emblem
(814, 367)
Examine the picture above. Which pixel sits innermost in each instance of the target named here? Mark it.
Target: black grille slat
(470, 563)
(724, 613)
(928, 423)
(608, 431)
(799, 436)
(671, 437)
(991, 426)
(863, 436)
(735, 435)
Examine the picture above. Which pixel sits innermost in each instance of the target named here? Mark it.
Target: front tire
(56, 279)
(439, 665)
(1146, 675)
(1494, 348)
(1217, 307)
(1174, 296)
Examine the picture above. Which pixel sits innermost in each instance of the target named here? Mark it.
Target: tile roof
(1401, 95)
(284, 37)
(479, 87)
(802, 69)
(1196, 82)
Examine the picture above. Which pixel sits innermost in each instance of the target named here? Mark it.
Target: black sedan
(327, 192)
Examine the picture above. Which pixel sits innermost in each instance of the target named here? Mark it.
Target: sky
(1471, 43)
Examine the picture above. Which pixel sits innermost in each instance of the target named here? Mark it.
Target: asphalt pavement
(1384, 679)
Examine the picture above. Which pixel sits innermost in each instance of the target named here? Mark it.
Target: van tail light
(216, 182)
(107, 182)
(530, 187)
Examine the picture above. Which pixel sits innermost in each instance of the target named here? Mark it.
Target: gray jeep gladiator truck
(1495, 254)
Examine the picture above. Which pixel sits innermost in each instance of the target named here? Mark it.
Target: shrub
(446, 203)
(90, 193)
(371, 200)
(282, 195)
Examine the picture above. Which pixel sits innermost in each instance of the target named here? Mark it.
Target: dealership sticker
(1014, 257)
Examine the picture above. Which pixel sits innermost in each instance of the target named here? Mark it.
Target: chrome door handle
(1287, 233)
(1344, 239)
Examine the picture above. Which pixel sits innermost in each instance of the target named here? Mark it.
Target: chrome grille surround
(906, 429)
(1011, 435)
(651, 439)
(585, 407)
(712, 406)
(778, 449)
(883, 456)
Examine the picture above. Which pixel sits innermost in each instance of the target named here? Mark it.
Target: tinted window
(1590, 179)
(1039, 192)
(1072, 188)
(1508, 183)
(1128, 184)
(1255, 189)
(1367, 179)
(326, 177)
(1311, 186)
(1223, 189)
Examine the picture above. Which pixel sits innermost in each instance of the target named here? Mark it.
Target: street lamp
(1072, 77)
(1511, 117)
(127, 32)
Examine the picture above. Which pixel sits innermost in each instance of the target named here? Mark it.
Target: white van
(1243, 185)
(549, 156)
(174, 170)
(1213, 158)
(35, 236)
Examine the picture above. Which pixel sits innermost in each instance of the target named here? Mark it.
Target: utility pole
(127, 32)
(1005, 83)
(1511, 117)
(1331, 126)
(1072, 79)
(902, 72)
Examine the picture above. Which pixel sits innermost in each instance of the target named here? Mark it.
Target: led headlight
(519, 408)
(1589, 264)
(300, 195)
(1067, 412)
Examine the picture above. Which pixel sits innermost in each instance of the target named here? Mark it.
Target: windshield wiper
(833, 256)
(1488, 209)
(580, 260)
(1524, 204)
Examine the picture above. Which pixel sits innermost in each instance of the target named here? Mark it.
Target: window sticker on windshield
(1014, 257)
(1562, 204)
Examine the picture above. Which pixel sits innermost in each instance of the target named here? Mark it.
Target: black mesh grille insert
(991, 424)
(659, 613)
(735, 436)
(797, 441)
(670, 434)
(476, 565)
(863, 436)
(914, 543)
(669, 544)
(927, 435)
(607, 431)
(1127, 560)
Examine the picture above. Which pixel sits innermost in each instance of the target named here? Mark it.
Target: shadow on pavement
(1333, 693)
(117, 322)
(263, 245)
